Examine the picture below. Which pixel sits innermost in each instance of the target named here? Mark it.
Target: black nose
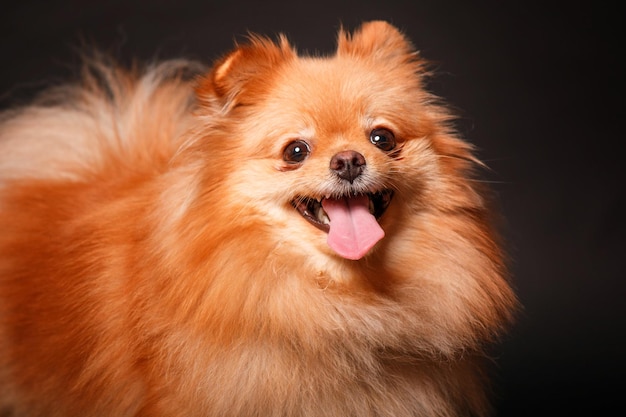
(348, 165)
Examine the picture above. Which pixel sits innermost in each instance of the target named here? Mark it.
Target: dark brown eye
(296, 152)
(383, 139)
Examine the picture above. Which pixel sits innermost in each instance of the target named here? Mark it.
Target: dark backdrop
(539, 90)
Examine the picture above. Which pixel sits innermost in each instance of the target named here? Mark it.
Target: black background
(538, 88)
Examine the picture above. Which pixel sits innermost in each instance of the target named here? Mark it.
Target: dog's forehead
(334, 90)
(337, 76)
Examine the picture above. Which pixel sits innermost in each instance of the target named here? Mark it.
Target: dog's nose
(348, 165)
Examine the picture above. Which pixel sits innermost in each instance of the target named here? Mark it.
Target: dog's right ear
(245, 70)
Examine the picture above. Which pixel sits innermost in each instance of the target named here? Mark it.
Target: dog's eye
(296, 152)
(383, 139)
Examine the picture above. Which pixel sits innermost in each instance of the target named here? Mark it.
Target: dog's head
(332, 151)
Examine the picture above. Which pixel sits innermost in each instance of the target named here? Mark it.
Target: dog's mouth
(313, 211)
(351, 221)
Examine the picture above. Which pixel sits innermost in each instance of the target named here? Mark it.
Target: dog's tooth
(322, 216)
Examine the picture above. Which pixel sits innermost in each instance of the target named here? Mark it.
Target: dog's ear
(376, 40)
(247, 67)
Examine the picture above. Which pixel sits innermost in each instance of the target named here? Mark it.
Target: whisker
(469, 159)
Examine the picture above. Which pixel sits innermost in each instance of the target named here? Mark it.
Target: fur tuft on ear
(239, 69)
(376, 39)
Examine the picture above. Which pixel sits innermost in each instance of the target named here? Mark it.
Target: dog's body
(156, 258)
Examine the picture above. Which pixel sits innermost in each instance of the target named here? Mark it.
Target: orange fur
(152, 263)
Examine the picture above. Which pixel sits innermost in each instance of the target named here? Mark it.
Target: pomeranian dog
(279, 235)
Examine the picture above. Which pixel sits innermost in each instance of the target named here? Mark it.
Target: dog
(276, 235)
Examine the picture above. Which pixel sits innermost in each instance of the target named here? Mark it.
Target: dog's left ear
(378, 40)
(246, 69)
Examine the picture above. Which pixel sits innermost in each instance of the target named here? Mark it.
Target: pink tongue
(353, 229)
